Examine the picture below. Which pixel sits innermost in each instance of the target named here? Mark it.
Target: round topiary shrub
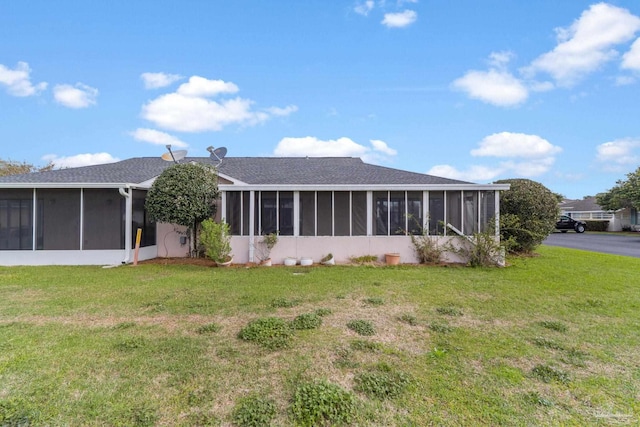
(322, 403)
(528, 214)
(271, 332)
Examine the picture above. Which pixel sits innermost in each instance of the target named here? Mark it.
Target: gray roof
(588, 204)
(250, 170)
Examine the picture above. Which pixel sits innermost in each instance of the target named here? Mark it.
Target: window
(359, 213)
(454, 211)
(285, 213)
(268, 208)
(342, 213)
(307, 213)
(436, 212)
(16, 219)
(470, 212)
(487, 209)
(325, 213)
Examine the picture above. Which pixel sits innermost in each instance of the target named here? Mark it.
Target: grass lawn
(549, 340)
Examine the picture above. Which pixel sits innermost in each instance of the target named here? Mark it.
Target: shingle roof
(588, 204)
(251, 170)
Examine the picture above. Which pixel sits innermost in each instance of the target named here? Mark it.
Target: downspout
(127, 222)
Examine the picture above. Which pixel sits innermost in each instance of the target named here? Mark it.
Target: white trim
(364, 187)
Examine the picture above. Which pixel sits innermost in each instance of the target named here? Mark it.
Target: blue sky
(473, 90)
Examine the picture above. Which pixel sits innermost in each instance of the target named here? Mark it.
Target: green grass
(549, 340)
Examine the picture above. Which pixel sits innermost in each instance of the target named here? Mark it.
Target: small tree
(528, 214)
(216, 240)
(625, 194)
(184, 194)
(10, 167)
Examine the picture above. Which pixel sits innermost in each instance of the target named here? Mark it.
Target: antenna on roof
(174, 156)
(217, 154)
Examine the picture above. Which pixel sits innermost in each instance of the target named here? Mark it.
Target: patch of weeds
(154, 307)
(575, 357)
(123, 325)
(383, 382)
(545, 343)
(438, 353)
(16, 413)
(306, 321)
(549, 374)
(208, 328)
(554, 325)
(322, 403)
(534, 398)
(449, 311)
(409, 319)
(227, 353)
(376, 283)
(283, 303)
(254, 411)
(270, 332)
(143, 416)
(130, 344)
(322, 312)
(367, 346)
(344, 360)
(374, 301)
(364, 259)
(340, 296)
(201, 418)
(441, 328)
(361, 327)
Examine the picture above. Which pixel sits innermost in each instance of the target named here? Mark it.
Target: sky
(476, 90)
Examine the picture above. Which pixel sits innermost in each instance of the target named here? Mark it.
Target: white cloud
(509, 144)
(624, 80)
(473, 174)
(78, 96)
(619, 155)
(399, 19)
(497, 87)
(80, 160)
(158, 80)
(342, 147)
(189, 109)
(200, 87)
(525, 156)
(631, 59)
(587, 44)
(18, 80)
(156, 137)
(364, 8)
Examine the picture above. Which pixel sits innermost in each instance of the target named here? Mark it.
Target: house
(89, 215)
(587, 209)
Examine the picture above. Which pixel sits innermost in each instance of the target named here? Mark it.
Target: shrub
(254, 411)
(528, 214)
(482, 249)
(427, 248)
(271, 332)
(322, 403)
(216, 239)
(364, 259)
(362, 327)
(307, 321)
(597, 225)
(382, 383)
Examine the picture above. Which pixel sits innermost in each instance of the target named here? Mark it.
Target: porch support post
(128, 219)
(252, 221)
(497, 212)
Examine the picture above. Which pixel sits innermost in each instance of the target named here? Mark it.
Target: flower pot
(306, 261)
(266, 262)
(330, 261)
(392, 258)
(290, 261)
(226, 263)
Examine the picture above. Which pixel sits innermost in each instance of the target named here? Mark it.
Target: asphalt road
(618, 244)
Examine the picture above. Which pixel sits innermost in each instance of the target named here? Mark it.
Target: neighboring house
(89, 215)
(588, 209)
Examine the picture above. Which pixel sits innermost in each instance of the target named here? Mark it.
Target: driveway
(617, 244)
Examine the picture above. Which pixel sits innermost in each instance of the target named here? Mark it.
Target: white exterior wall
(92, 257)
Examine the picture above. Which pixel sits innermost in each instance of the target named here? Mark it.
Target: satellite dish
(174, 156)
(217, 154)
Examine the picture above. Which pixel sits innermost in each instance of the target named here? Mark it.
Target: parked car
(566, 223)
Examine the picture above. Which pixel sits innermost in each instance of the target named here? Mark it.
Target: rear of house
(344, 206)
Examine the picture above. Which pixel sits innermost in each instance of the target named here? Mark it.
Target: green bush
(254, 411)
(361, 327)
(216, 239)
(307, 321)
(383, 382)
(271, 332)
(528, 214)
(322, 403)
(597, 225)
